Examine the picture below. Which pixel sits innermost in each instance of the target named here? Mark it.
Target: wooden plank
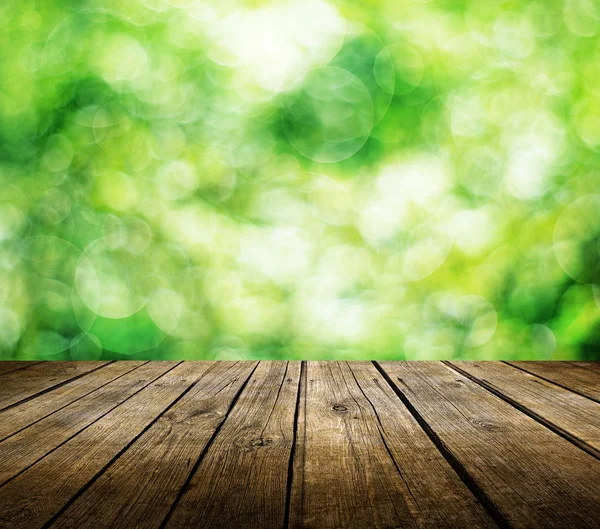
(40, 377)
(26, 447)
(32, 498)
(246, 467)
(568, 413)
(441, 500)
(533, 477)
(440, 496)
(296, 478)
(582, 381)
(22, 415)
(588, 365)
(7, 366)
(140, 487)
(347, 477)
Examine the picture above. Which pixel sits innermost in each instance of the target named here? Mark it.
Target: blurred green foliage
(189, 179)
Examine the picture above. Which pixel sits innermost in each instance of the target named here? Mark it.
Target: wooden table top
(299, 444)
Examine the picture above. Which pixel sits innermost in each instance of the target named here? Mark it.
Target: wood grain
(12, 365)
(246, 466)
(583, 381)
(572, 415)
(35, 496)
(588, 365)
(348, 479)
(138, 489)
(441, 498)
(27, 446)
(17, 386)
(317, 445)
(532, 476)
(22, 415)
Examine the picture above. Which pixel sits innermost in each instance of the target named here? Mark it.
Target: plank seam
(205, 450)
(70, 403)
(348, 431)
(291, 461)
(97, 476)
(85, 428)
(262, 433)
(551, 381)
(381, 431)
(491, 508)
(52, 388)
(31, 364)
(565, 434)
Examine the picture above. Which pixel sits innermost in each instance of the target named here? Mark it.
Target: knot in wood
(483, 425)
(259, 441)
(339, 407)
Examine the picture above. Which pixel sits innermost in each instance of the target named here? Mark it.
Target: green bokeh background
(303, 179)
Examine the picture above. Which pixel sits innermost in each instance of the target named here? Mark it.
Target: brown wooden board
(588, 365)
(532, 476)
(348, 477)
(32, 410)
(246, 467)
(38, 494)
(154, 468)
(301, 445)
(27, 446)
(442, 498)
(17, 386)
(571, 415)
(437, 496)
(586, 382)
(7, 366)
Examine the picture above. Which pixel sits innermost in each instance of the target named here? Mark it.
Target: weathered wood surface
(292, 445)
(22, 384)
(246, 467)
(367, 463)
(7, 367)
(154, 468)
(568, 414)
(531, 476)
(588, 365)
(25, 414)
(586, 382)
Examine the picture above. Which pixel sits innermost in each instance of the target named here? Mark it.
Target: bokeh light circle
(108, 281)
(50, 263)
(85, 347)
(577, 239)
(479, 318)
(331, 117)
(407, 71)
(363, 54)
(10, 328)
(538, 340)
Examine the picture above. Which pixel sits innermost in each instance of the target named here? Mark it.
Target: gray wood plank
(534, 477)
(138, 489)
